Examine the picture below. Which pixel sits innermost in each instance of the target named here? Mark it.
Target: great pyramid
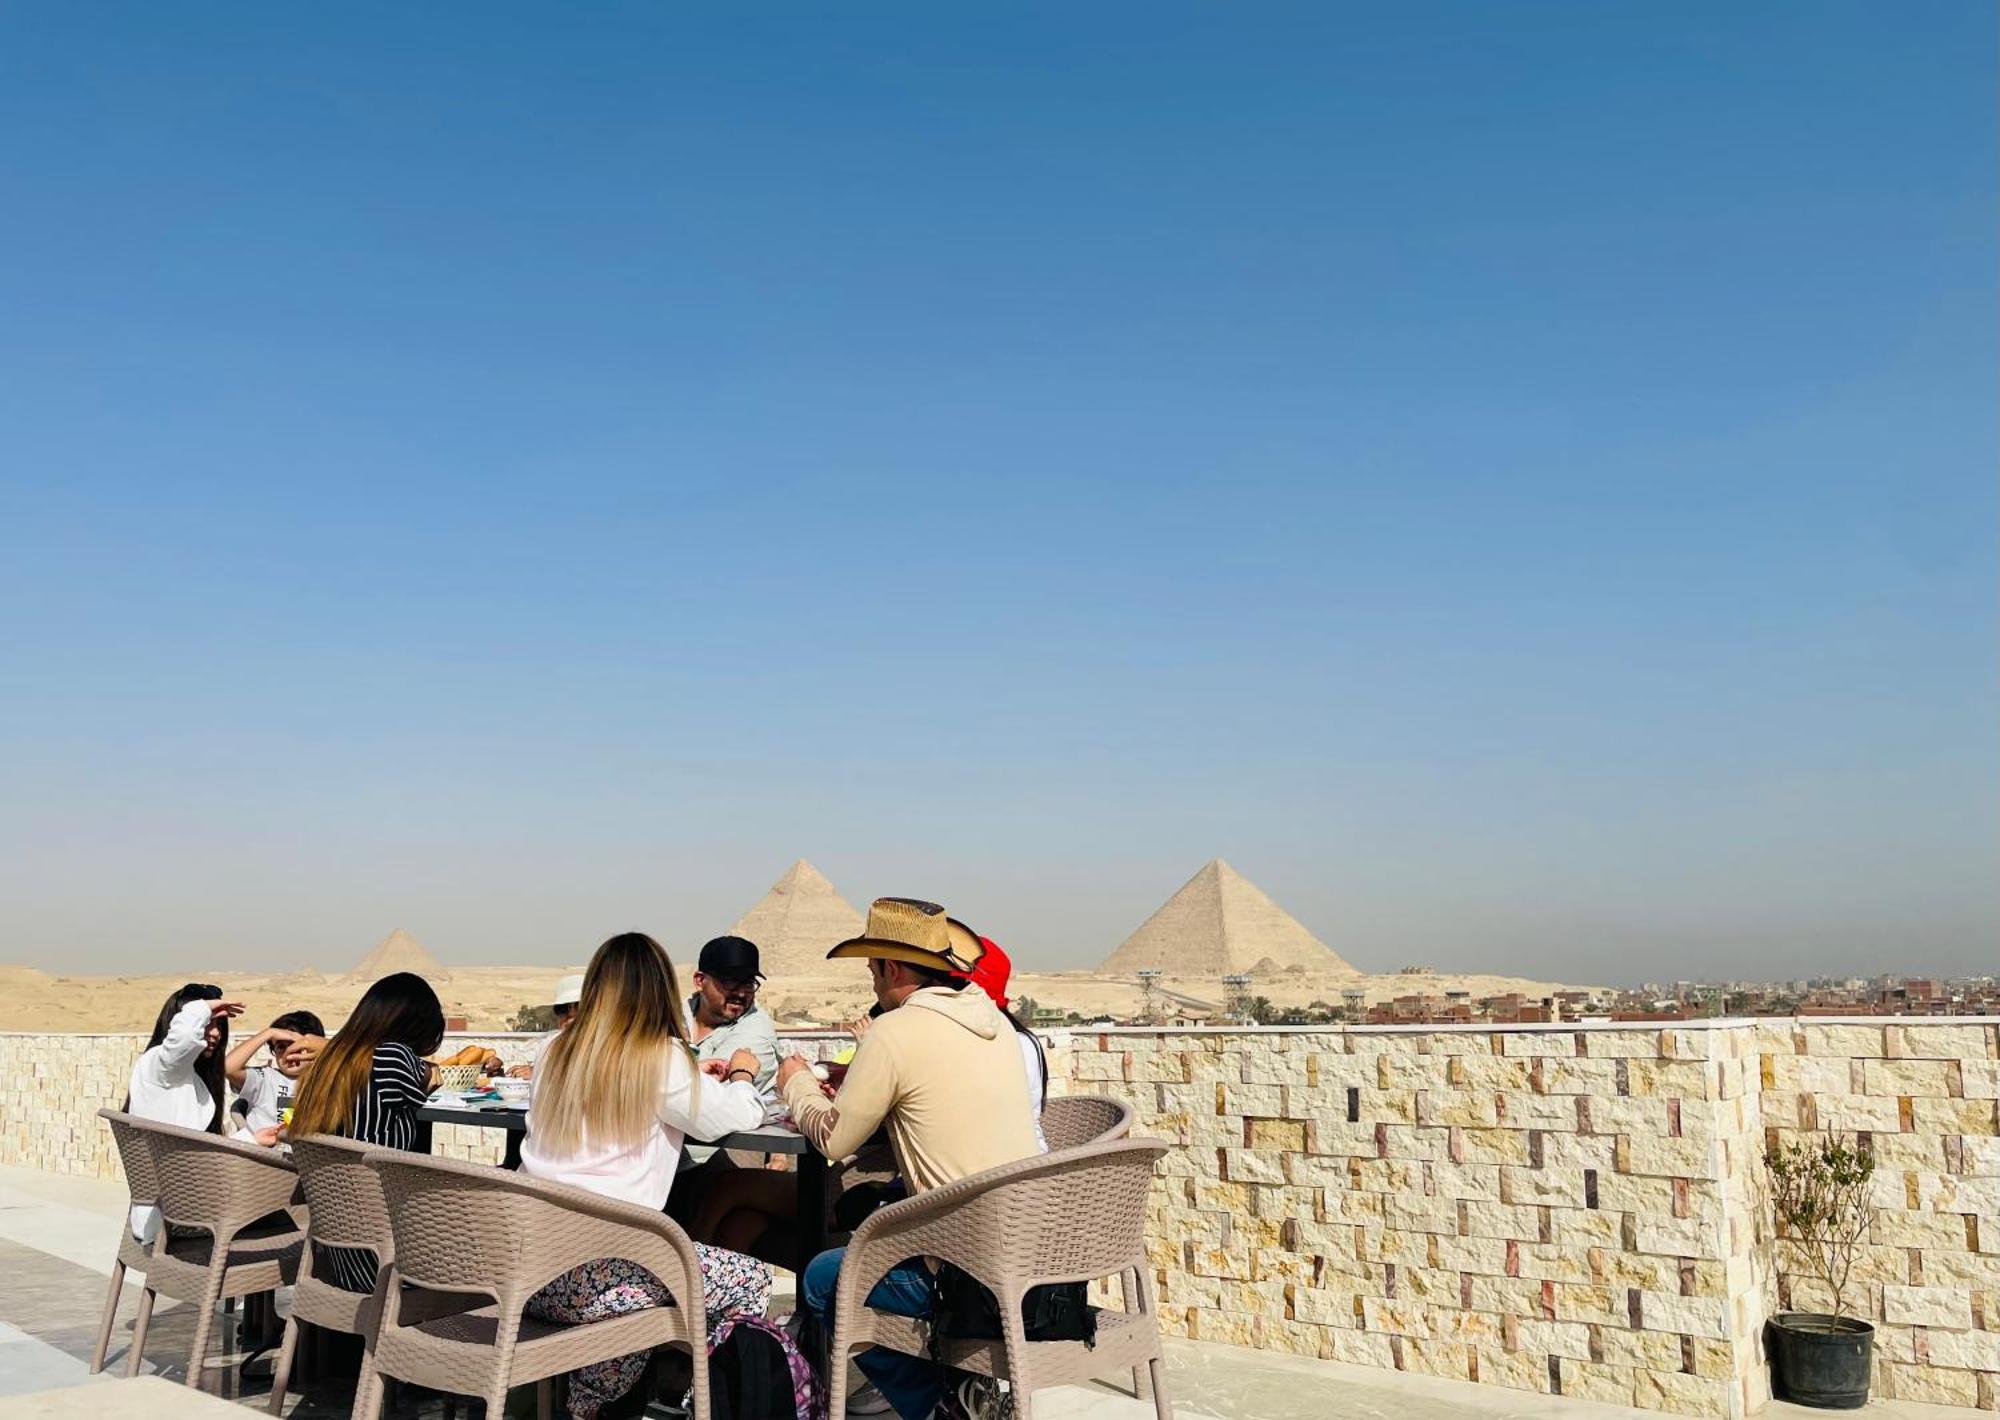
(398, 951)
(796, 922)
(1220, 923)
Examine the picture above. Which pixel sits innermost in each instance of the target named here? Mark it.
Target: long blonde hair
(603, 1074)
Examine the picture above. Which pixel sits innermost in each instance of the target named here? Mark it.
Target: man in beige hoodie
(941, 1071)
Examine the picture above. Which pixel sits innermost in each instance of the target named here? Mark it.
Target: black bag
(966, 1309)
(749, 1378)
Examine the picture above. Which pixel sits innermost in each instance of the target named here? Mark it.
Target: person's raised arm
(187, 1037)
(839, 1127)
(237, 1064)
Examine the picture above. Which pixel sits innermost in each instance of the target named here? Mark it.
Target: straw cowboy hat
(908, 930)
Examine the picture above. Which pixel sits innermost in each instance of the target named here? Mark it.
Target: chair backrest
(1072, 1120)
(464, 1227)
(135, 1153)
(344, 1195)
(1069, 1215)
(216, 1184)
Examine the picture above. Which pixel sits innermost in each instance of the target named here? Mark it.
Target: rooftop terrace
(1541, 1220)
(58, 1237)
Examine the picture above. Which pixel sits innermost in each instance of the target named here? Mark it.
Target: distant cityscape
(1887, 995)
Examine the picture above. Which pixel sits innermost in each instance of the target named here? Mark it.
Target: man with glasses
(723, 1016)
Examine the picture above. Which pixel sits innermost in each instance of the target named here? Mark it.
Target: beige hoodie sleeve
(866, 1096)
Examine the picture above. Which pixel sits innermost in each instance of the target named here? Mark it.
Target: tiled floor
(58, 1237)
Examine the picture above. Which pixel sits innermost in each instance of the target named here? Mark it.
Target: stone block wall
(1925, 1097)
(1570, 1210)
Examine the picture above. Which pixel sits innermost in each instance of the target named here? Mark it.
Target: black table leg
(812, 1207)
(512, 1158)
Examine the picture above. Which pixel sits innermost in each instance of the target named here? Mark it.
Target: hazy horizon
(1517, 482)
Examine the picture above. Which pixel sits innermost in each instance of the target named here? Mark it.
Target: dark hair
(208, 1065)
(1041, 1055)
(397, 1010)
(932, 977)
(304, 1022)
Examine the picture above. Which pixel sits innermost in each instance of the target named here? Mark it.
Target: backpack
(756, 1372)
(965, 1308)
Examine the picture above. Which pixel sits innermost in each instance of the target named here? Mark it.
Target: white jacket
(644, 1172)
(166, 1088)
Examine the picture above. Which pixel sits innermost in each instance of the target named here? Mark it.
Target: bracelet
(739, 1070)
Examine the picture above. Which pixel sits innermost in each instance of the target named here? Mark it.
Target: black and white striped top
(385, 1114)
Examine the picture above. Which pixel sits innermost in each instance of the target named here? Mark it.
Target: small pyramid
(398, 951)
(797, 922)
(1218, 924)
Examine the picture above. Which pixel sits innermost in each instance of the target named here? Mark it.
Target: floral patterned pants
(731, 1285)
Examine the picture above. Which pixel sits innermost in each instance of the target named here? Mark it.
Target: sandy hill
(797, 922)
(398, 951)
(489, 996)
(1218, 924)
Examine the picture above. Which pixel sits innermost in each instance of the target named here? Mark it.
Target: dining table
(767, 1139)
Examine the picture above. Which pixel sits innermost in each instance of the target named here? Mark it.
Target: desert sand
(487, 997)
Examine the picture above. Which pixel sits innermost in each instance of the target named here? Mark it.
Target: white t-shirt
(265, 1095)
(1031, 1060)
(644, 1172)
(165, 1088)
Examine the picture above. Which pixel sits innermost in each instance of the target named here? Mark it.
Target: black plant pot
(1820, 1360)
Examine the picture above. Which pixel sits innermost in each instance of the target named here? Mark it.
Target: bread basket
(458, 1077)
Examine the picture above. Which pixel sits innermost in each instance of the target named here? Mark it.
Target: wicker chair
(1072, 1120)
(1076, 1215)
(490, 1234)
(344, 1196)
(239, 1196)
(141, 1179)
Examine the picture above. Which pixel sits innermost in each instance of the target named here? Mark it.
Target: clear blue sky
(1517, 480)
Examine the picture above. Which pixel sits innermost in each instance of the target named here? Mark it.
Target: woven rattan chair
(347, 1209)
(1069, 1121)
(226, 1228)
(1074, 1215)
(490, 1234)
(136, 1154)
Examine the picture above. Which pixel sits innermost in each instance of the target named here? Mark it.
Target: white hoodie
(165, 1088)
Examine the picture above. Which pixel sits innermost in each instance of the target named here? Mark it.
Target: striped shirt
(385, 1114)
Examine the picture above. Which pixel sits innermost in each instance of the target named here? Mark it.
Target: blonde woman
(614, 1095)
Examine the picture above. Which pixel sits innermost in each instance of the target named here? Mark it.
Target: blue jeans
(909, 1383)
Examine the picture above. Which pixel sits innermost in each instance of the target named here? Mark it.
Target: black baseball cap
(730, 959)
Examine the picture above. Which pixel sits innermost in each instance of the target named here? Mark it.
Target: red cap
(991, 971)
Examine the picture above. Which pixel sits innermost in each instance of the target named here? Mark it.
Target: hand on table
(267, 1137)
(520, 1072)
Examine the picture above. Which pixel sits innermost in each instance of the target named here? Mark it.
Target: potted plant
(1819, 1193)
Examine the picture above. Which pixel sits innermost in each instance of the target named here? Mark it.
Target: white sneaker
(866, 1400)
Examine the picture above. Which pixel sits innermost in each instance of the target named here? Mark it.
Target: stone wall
(1570, 1210)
